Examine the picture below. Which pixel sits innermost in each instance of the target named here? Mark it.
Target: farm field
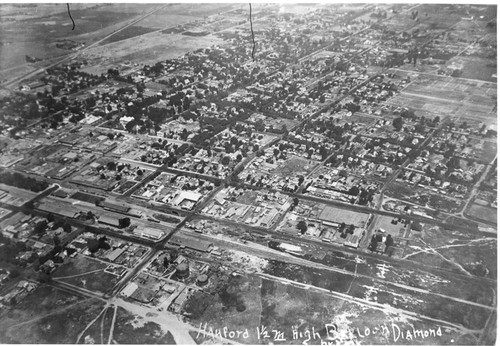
(146, 49)
(38, 38)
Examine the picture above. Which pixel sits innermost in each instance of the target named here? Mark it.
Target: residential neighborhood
(248, 173)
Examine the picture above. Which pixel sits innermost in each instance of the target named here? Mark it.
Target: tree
(67, 228)
(57, 240)
(354, 191)
(416, 226)
(124, 222)
(111, 166)
(166, 261)
(388, 242)
(92, 245)
(103, 244)
(398, 124)
(302, 226)
(453, 163)
(373, 243)
(295, 201)
(225, 160)
(40, 227)
(50, 217)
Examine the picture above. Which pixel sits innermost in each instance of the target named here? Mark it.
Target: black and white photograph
(248, 173)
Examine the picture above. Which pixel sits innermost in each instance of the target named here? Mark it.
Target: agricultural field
(146, 49)
(37, 38)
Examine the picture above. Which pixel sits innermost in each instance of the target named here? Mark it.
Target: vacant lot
(478, 68)
(296, 166)
(483, 213)
(64, 316)
(129, 330)
(129, 32)
(465, 252)
(387, 224)
(86, 273)
(338, 215)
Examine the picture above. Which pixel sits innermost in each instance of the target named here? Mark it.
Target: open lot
(278, 306)
(129, 329)
(482, 213)
(465, 252)
(87, 273)
(47, 315)
(337, 215)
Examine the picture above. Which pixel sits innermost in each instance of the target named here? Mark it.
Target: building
(190, 196)
(191, 243)
(148, 233)
(119, 208)
(129, 289)
(109, 220)
(112, 256)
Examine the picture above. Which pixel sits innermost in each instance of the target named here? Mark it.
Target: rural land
(235, 173)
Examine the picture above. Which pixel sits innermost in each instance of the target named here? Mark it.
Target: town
(185, 173)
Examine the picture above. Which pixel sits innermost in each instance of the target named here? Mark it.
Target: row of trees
(19, 180)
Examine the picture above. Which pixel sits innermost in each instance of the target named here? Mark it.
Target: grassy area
(85, 197)
(87, 273)
(60, 327)
(248, 197)
(47, 315)
(129, 331)
(43, 300)
(338, 215)
(475, 254)
(129, 32)
(482, 213)
(296, 166)
(384, 222)
(479, 68)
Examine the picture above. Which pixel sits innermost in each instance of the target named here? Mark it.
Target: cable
(253, 36)
(69, 12)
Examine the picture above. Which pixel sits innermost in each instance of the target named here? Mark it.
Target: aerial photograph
(248, 173)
